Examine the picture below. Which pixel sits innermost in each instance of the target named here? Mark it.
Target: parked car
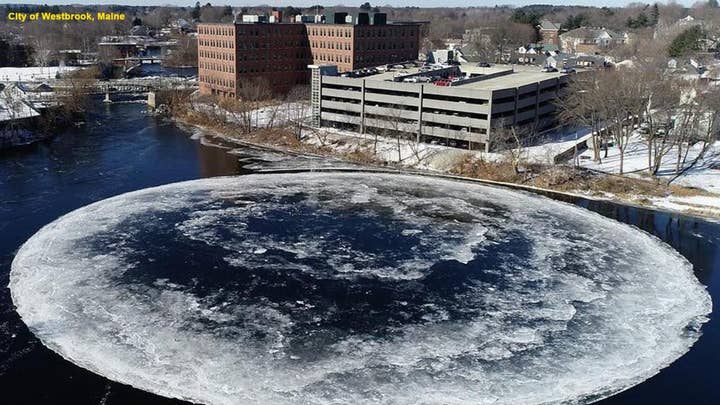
(568, 70)
(483, 64)
(442, 82)
(549, 69)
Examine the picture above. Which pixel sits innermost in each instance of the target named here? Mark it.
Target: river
(121, 149)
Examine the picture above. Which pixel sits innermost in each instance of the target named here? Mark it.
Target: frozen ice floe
(325, 288)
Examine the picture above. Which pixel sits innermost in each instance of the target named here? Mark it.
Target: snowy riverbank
(704, 176)
(536, 173)
(432, 159)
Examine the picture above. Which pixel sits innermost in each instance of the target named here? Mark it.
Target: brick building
(353, 47)
(549, 33)
(217, 69)
(231, 55)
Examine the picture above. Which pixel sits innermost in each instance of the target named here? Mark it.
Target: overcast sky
(305, 3)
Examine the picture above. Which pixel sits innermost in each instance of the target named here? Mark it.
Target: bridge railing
(139, 84)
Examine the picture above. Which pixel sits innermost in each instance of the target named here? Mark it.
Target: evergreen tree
(685, 43)
(641, 21)
(523, 17)
(574, 21)
(291, 11)
(655, 14)
(196, 11)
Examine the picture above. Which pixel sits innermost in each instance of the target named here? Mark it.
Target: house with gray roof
(591, 40)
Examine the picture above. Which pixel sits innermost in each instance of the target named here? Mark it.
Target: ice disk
(356, 288)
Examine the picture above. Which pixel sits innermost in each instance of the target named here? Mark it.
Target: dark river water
(121, 150)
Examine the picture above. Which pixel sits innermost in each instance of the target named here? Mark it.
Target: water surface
(122, 150)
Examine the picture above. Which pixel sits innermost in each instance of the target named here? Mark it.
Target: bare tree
(159, 17)
(662, 95)
(421, 151)
(215, 14)
(507, 35)
(510, 140)
(256, 93)
(581, 105)
(699, 127)
(483, 47)
(77, 86)
(43, 45)
(244, 112)
(623, 96)
(297, 106)
(323, 136)
(236, 112)
(398, 127)
(185, 54)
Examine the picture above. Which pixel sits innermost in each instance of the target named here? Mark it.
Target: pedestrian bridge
(118, 86)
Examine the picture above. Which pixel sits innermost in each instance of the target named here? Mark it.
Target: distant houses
(553, 42)
(592, 40)
(669, 31)
(550, 56)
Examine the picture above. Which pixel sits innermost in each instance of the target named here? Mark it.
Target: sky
(305, 3)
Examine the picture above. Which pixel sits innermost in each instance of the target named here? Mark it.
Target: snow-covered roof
(12, 107)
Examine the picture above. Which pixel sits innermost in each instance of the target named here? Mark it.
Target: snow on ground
(411, 154)
(25, 74)
(15, 109)
(554, 143)
(270, 116)
(705, 175)
(437, 156)
(701, 204)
